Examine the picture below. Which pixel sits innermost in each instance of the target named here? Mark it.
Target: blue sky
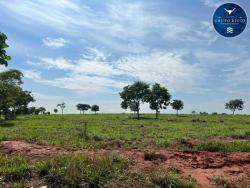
(87, 51)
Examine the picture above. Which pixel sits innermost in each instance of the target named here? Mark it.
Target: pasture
(199, 132)
(117, 150)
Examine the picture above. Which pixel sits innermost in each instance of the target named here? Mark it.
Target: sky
(76, 51)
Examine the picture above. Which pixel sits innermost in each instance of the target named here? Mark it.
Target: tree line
(14, 99)
(81, 107)
(158, 97)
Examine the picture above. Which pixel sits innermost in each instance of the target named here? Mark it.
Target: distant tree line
(14, 100)
(85, 107)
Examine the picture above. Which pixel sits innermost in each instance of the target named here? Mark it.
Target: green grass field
(188, 132)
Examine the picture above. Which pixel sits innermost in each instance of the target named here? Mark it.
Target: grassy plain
(188, 132)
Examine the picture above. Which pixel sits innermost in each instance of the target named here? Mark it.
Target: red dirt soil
(201, 165)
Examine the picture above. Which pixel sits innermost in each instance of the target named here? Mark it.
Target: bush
(172, 178)
(218, 146)
(78, 170)
(14, 168)
(222, 182)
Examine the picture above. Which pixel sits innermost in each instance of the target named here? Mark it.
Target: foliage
(4, 58)
(12, 97)
(177, 105)
(79, 170)
(158, 98)
(135, 95)
(62, 106)
(95, 108)
(171, 178)
(14, 168)
(83, 107)
(55, 110)
(118, 130)
(237, 104)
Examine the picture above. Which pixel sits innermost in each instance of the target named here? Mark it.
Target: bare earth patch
(201, 165)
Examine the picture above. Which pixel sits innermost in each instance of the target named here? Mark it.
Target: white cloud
(212, 3)
(31, 74)
(107, 25)
(211, 57)
(55, 42)
(93, 72)
(164, 67)
(240, 75)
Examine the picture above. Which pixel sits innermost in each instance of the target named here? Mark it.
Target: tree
(193, 112)
(62, 106)
(237, 104)
(55, 111)
(4, 58)
(79, 107)
(158, 98)
(177, 105)
(41, 110)
(85, 107)
(12, 97)
(32, 110)
(95, 108)
(135, 94)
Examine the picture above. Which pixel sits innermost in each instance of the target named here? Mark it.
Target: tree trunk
(138, 114)
(177, 112)
(156, 114)
(14, 113)
(233, 112)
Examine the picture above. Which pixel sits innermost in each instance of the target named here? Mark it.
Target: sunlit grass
(121, 130)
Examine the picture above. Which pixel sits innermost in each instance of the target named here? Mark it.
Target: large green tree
(4, 58)
(159, 98)
(237, 104)
(135, 94)
(12, 96)
(177, 105)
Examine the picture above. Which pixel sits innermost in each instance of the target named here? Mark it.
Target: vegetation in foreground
(81, 170)
(187, 132)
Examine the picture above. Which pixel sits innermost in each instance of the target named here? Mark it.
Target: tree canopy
(158, 98)
(177, 105)
(135, 94)
(95, 108)
(237, 104)
(62, 106)
(4, 58)
(12, 97)
(83, 107)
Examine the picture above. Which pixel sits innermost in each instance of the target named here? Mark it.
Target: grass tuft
(171, 178)
(14, 168)
(78, 170)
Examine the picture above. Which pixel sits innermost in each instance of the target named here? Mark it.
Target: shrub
(78, 170)
(222, 182)
(218, 146)
(14, 168)
(172, 178)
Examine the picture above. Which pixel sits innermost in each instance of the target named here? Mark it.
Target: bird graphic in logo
(229, 11)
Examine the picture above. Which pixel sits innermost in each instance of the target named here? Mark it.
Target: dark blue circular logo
(229, 20)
